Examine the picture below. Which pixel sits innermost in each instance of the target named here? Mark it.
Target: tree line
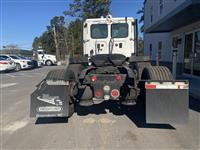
(61, 38)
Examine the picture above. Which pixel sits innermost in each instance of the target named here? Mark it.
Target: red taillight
(118, 77)
(94, 78)
(3, 62)
(98, 93)
(150, 86)
(115, 93)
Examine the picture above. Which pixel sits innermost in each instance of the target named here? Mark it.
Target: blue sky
(23, 20)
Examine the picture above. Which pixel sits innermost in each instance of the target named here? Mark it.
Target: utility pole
(56, 43)
(72, 38)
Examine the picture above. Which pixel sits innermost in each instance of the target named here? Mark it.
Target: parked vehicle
(20, 63)
(35, 63)
(46, 59)
(6, 65)
(112, 70)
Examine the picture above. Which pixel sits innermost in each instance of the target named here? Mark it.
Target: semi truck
(46, 59)
(111, 70)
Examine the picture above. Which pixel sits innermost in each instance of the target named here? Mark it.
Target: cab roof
(109, 18)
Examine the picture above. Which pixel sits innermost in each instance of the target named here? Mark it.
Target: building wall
(166, 38)
(181, 32)
(153, 8)
(151, 16)
(166, 52)
(154, 39)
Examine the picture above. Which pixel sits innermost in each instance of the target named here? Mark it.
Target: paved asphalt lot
(89, 129)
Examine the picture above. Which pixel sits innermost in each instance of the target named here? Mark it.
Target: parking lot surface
(101, 127)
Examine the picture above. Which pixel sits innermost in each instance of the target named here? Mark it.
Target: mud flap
(50, 101)
(167, 102)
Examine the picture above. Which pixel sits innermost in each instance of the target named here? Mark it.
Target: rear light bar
(150, 86)
(166, 85)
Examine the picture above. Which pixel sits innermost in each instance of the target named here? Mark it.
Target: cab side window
(40, 53)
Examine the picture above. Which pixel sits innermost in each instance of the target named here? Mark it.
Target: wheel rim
(48, 63)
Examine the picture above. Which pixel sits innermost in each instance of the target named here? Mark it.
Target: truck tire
(48, 63)
(159, 73)
(65, 75)
(60, 74)
(76, 69)
(139, 67)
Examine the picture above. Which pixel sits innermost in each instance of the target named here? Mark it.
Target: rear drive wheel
(48, 63)
(64, 75)
(159, 73)
(18, 67)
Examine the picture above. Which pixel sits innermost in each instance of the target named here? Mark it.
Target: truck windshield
(99, 31)
(119, 30)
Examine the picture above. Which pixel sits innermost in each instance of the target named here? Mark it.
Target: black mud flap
(167, 102)
(50, 101)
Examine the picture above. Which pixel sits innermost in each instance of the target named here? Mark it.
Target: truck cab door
(101, 47)
(40, 56)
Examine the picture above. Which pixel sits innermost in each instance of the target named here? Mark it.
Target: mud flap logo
(54, 100)
(50, 109)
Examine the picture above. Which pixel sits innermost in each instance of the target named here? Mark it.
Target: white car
(35, 63)
(20, 63)
(6, 65)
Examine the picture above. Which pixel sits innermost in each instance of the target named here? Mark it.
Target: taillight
(3, 62)
(150, 86)
(118, 77)
(115, 93)
(98, 93)
(94, 78)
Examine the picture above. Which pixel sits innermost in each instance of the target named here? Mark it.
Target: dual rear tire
(158, 73)
(64, 75)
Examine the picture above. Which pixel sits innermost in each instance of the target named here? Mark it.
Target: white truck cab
(46, 59)
(109, 35)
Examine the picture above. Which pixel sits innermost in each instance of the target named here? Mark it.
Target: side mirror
(85, 25)
(9, 59)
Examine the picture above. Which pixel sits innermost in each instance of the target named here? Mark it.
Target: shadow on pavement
(135, 113)
(194, 104)
(50, 120)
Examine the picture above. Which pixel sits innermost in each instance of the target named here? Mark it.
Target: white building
(173, 27)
